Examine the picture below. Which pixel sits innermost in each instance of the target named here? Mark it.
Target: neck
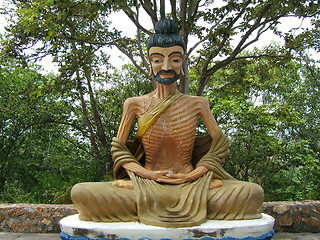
(163, 91)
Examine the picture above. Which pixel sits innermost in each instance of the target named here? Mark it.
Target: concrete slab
(29, 236)
(55, 236)
(297, 236)
(237, 229)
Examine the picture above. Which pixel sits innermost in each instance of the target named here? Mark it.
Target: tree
(268, 108)
(44, 144)
(75, 33)
(88, 93)
(222, 31)
(35, 155)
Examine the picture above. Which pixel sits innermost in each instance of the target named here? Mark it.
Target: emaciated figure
(168, 177)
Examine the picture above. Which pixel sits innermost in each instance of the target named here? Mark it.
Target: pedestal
(259, 229)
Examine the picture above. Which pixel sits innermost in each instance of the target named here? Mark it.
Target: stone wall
(43, 218)
(294, 216)
(33, 218)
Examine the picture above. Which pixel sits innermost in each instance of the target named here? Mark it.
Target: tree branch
(206, 73)
(131, 15)
(147, 6)
(224, 40)
(142, 55)
(174, 10)
(193, 10)
(262, 56)
(130, 56)
(256, 24)
(183, 16)
(262, 30)
(162, 9)
(203, 39)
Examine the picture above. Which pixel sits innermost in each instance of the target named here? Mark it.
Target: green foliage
(224, 30)
(36, 155)
(44, 147)
(56, 130)
(269, 109)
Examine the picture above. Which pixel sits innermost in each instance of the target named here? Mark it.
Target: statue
(168, 177)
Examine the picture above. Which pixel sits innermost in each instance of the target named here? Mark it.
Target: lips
(167, 75)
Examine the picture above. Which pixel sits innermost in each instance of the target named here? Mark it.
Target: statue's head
(166, 51)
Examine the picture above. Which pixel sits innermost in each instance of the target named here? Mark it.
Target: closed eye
(156, 59)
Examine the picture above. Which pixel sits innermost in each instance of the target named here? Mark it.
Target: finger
(177, 175)
(170, 180)
(163, 173)
(162, 178)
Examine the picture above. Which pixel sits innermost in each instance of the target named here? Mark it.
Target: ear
(181, 71)
(150, 72)
(184, 57)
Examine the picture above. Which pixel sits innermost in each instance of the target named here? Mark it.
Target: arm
(207, 117)
(213, 128)
(130, 110)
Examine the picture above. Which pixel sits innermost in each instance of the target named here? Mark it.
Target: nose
(166, 64)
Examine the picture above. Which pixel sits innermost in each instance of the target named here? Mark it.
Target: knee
(256, 192)
(78, 192)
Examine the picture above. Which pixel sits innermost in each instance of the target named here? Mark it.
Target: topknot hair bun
(166, 26)
(166, 35)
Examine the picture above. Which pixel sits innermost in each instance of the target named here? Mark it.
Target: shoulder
(198, 100)
(136, 102)
(132, 101)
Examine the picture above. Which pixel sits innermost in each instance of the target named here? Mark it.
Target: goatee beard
(165, 81)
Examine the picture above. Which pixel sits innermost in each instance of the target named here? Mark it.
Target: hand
(155, 175)
(123, 184)
(215, 183)
(177, 178)
(143, 172)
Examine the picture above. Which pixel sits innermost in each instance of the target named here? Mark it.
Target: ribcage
(176, 126)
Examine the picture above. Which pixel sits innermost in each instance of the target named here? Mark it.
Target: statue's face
(166, 63)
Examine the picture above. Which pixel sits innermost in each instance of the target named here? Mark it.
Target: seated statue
(168, 177)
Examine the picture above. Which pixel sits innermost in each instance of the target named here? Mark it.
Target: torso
(169, 142)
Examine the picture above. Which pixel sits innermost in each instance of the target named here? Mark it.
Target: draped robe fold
(167, 205)
(180, 205)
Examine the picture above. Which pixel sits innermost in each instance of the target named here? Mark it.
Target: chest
(179, 119)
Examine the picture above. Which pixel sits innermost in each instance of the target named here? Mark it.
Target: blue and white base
(258, 229)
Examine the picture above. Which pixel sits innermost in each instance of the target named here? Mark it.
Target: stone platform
(259, 229)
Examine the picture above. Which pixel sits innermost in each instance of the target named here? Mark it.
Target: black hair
(166, 35)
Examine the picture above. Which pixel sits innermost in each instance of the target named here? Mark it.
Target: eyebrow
(156, 54)
(176, 52)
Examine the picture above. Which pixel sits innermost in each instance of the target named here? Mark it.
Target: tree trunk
(184, 79)
(99, 127)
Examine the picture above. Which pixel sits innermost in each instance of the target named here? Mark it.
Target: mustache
(166, 72)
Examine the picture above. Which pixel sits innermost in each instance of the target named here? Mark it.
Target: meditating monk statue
(168, 177)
